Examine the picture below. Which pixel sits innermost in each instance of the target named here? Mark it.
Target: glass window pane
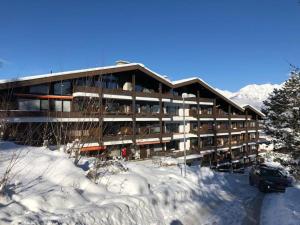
(29, 104)
(67, 106)
(39, 89)
(62, 88)
(58, 105)
(44, 105)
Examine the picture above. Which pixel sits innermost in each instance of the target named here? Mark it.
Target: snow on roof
(69, 72)
(184, 80)
(254, 109)
(216, 90)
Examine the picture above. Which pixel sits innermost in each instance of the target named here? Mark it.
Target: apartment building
(129, 106)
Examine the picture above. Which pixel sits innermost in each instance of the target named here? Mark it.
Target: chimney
(121, 62)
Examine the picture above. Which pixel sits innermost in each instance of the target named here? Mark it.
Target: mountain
(253, 94)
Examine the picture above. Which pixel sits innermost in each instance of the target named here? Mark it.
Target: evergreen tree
(282, 110)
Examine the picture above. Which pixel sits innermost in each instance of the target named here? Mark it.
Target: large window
(29, 104)
(39, 89)
(61, 106)
(110, 82)
(40, 105)
(63, 88)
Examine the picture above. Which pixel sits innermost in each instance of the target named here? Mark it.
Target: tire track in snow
(253, 209)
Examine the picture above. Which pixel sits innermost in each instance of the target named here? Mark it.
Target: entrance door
(143, 151)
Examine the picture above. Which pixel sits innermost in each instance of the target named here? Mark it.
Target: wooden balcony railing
(17, 113)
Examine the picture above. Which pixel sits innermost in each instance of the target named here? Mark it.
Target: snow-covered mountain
(253, 94)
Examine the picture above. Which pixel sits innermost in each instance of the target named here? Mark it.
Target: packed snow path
(48, 189)
(253, 210)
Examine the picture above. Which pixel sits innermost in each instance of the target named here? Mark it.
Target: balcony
(222, 116)
(203, 114)
(207, 147)
(117, 133)
(237, 142)
(222, 129)
(202, 130)
(96, 90)
(238, 116)
(238, 129)
(18, 113)
(117, 110)
(118, 137)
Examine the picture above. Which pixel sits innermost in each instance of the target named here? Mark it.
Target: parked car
(268, 178)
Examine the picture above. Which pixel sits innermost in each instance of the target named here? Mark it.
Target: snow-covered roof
(184, 80)
(254, 109)
(216, 91)
(32, 77)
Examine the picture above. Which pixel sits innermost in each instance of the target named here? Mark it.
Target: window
(157, 147)
(252, 136)
(154, 130)
(67, 106)
(57, 105)
(62, 88)
(155, 109)
(208, 141)
(194, 143)
(172, 128)
(39, 89)
(29, 104)
(86, 82)
(44, 105)
(60, 106)
(172, 110)
(194, 126)
(204, 110)
(172, 145)
(110, 82)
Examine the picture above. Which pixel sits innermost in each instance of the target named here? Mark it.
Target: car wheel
(251, 181)
(262, 187)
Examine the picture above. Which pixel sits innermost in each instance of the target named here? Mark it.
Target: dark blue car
(269, 179)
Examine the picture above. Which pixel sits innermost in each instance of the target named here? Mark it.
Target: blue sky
(228, 43)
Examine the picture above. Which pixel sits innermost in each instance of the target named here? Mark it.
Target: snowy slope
(252, 94)
(49, 189)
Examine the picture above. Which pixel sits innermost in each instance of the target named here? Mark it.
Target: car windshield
(270, 172)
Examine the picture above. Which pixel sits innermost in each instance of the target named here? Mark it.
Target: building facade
(129, 106)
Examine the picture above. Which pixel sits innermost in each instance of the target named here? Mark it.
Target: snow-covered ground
(48, 189)
(282, 208)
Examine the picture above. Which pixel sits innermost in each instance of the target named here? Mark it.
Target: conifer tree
(282, 110)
